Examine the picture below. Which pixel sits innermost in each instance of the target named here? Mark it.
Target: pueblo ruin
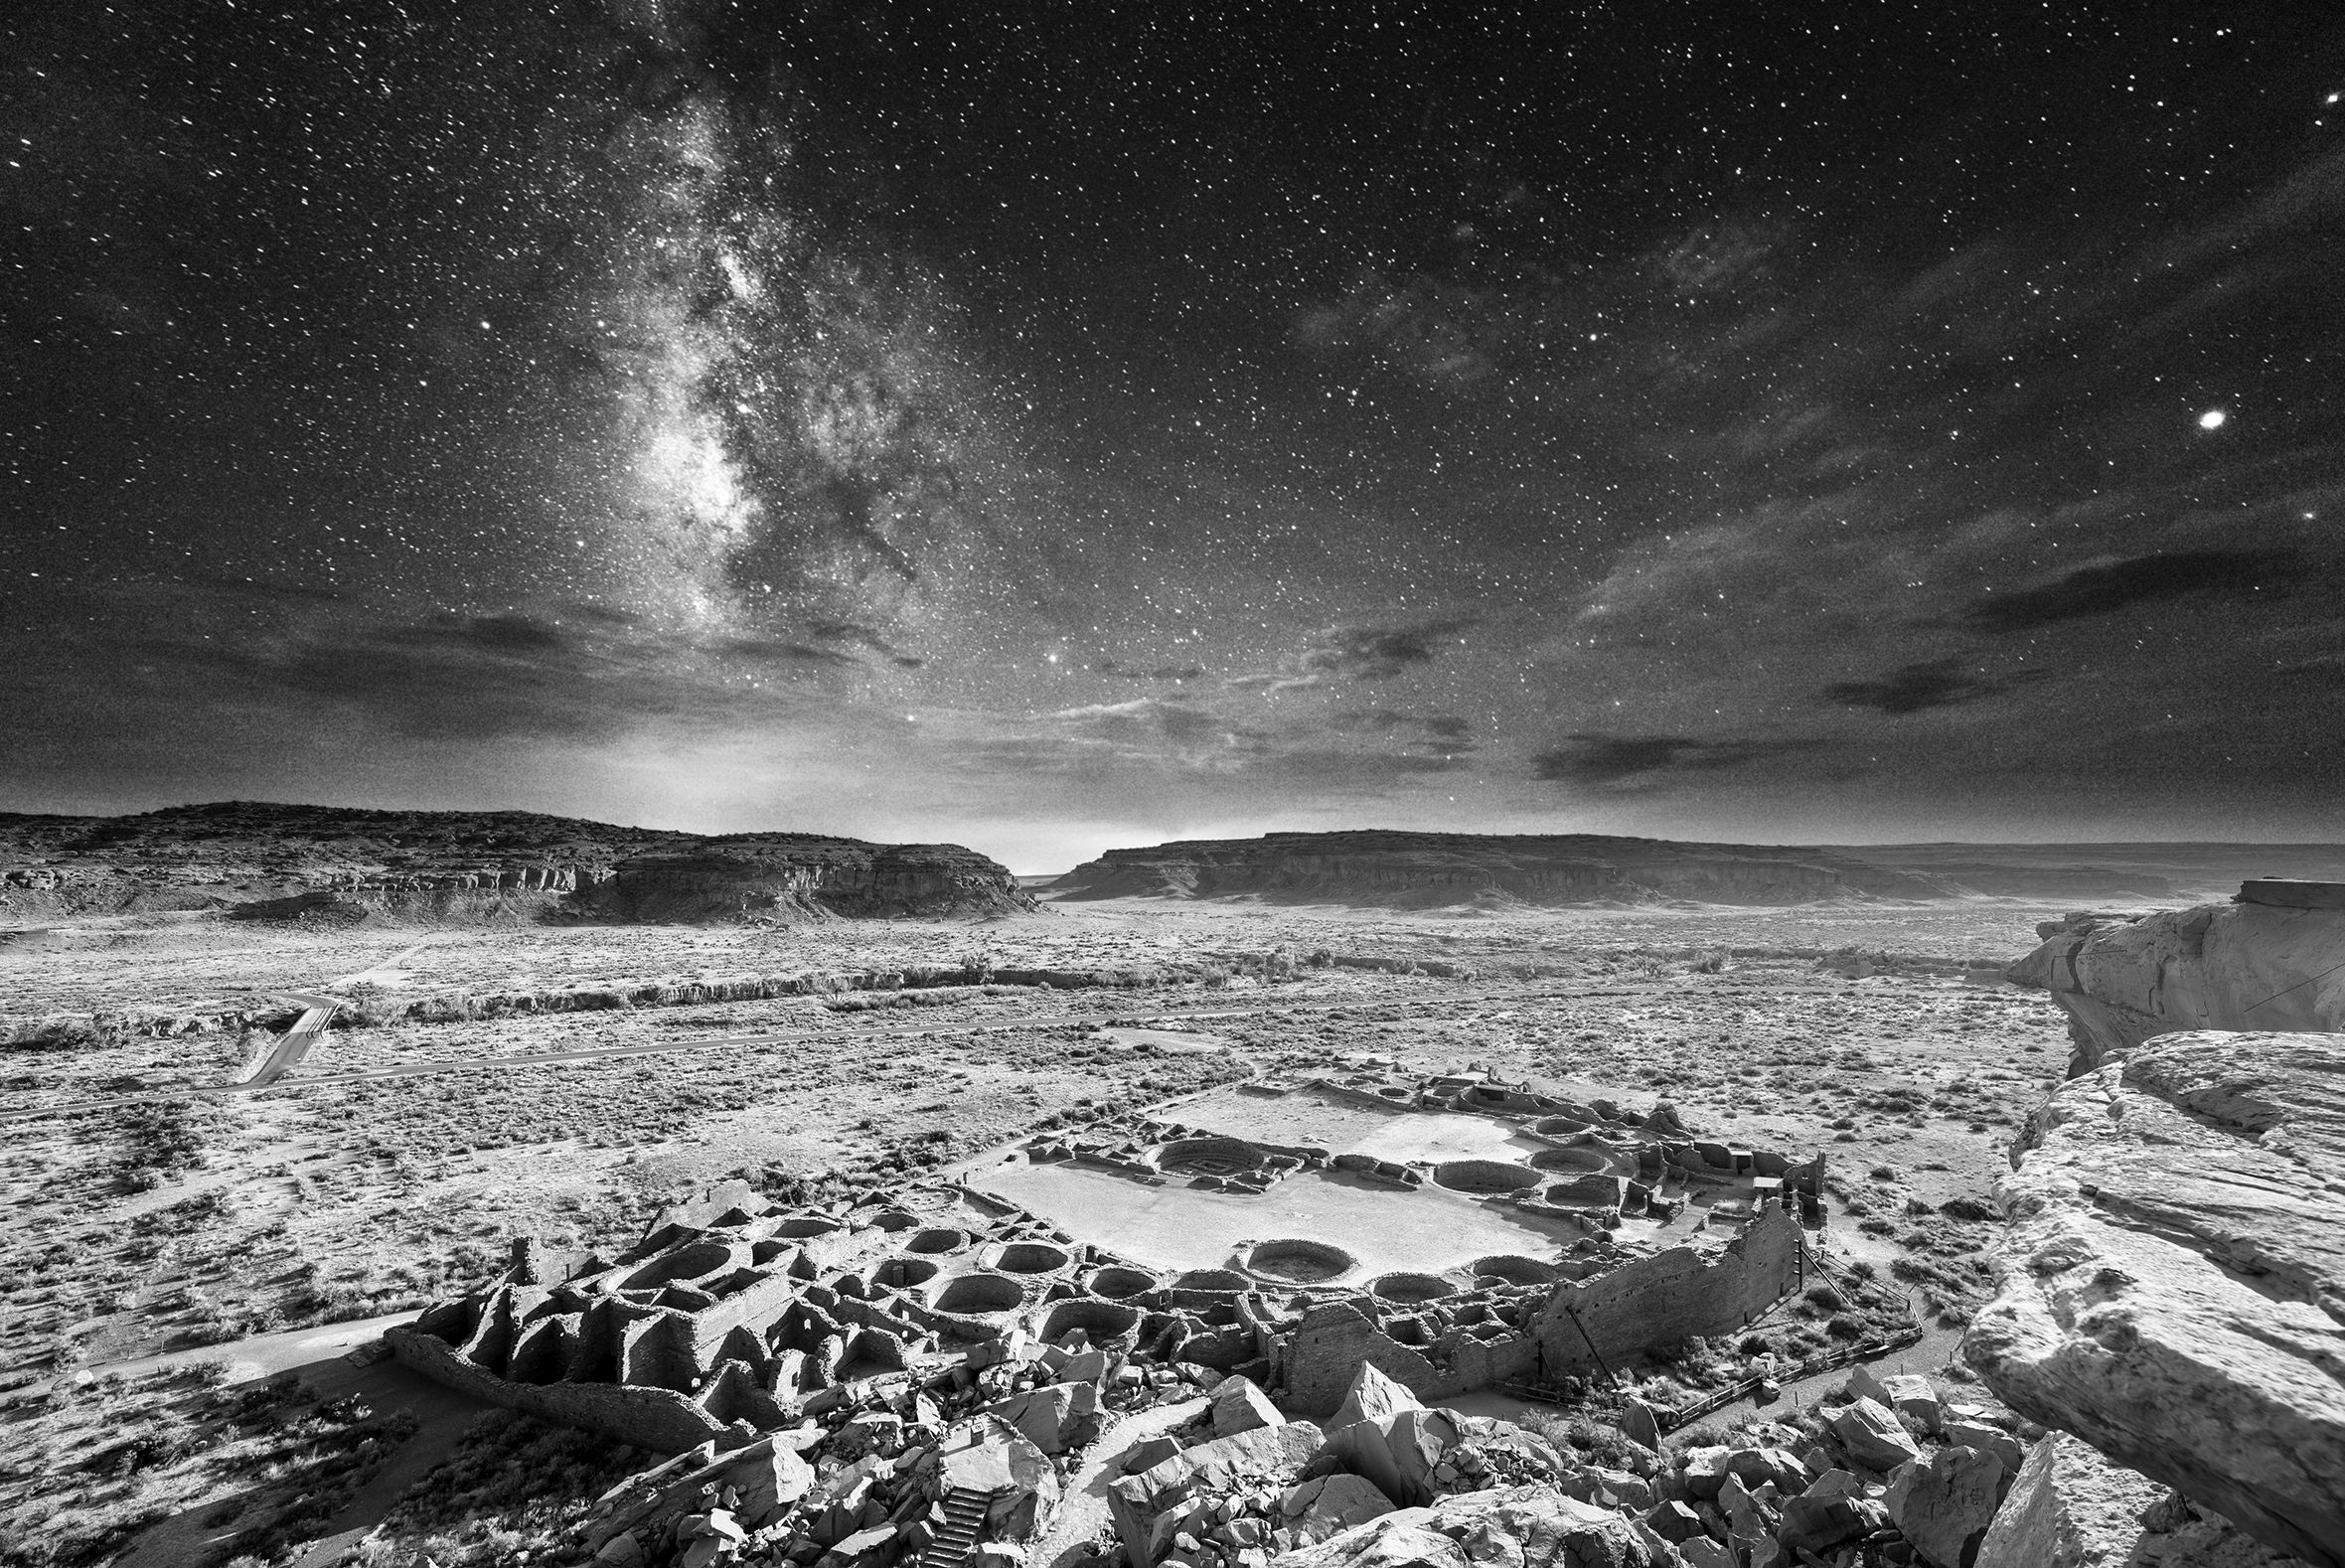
(733, 1311)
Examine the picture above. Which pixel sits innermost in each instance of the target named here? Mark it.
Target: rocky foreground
(2172, 1282)
(1197, 1470)
(325, 865)
(1443, 869)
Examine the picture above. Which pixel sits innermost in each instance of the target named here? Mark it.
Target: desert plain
(202, 1237)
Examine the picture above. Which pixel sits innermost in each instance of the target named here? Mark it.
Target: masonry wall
(1319, 1358)
(649, 1418)
(1670, 1297)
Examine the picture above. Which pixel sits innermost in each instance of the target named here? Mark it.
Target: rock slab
(2172, 1278)
(1507, 1527)
(2236, 967)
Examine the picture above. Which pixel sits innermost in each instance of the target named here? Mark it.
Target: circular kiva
(903, 1273)
(1485, 1176)
(1558, 1126)
(977, 1293)
(807, 1225)
(1100, 1320)
(1116, 1281)
(1220, 1157)
(1030, 1257)
(1515, 1270)
(1577, 1158)
(895, 1219)
(1407, 1287)
(1303, 1262)
(937, 1239)
(685, 1263)
(1599, 1187)
(1212, 1280)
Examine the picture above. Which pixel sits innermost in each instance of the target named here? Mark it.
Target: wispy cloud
(1359, 652)
(1613, 759)
(2100, 589)
(1935, 683)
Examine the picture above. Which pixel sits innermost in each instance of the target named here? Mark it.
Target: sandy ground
(1178, 1228)
(143, 1230)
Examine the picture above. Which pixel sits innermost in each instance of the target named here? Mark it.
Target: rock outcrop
(315, 863)
(2173, 1275)
(2070, 1508)
(1943, 1500)
(2256, 963)
(1534, 1526)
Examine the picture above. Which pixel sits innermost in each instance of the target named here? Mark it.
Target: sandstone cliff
(253, 860)
(2173, 1275)
(2271, 961)
(1431, 870)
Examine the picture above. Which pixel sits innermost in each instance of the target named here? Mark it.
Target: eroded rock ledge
(2174, 1271)
(2247, 965)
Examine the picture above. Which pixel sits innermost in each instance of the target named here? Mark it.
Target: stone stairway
(957, 1538)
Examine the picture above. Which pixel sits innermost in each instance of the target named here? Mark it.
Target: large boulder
(1054, 1417)
(1239, 1406)
(1509, 1528)
(2069, 1507)
(2237, 966)
(1817, 1520)
(1372, 1398)
(1943, 1502)
(1148, 1507)
(1399, 1452)
(1873, 1434)
(1331, 1504)
(1756, 1467)
(2173, 1276)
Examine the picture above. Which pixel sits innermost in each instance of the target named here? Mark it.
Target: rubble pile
(966, 1465)
(968, 1455)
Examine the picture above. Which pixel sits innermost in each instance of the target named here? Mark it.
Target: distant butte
(326, 865)
(1405, 870)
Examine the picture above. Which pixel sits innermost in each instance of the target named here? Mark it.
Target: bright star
(2212, 419)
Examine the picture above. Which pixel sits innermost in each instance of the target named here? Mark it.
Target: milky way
(1048, 429)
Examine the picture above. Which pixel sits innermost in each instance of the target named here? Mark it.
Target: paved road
(506, 1063)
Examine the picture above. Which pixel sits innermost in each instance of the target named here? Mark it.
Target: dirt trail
(1082, 1511)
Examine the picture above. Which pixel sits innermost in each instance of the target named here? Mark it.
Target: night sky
(1052, 427)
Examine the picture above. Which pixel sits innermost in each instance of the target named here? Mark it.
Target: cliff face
(1406, 870)
(305, 862)
(2173, 1276)
(2249, 965)
(2172, 1280)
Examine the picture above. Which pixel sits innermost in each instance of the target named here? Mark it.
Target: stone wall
(1670, 1297)
(649, 1418)
(1323, 1353)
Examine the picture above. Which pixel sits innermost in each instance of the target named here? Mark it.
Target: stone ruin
(731, 1314)
(1617, 1289)
(958, 1352)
